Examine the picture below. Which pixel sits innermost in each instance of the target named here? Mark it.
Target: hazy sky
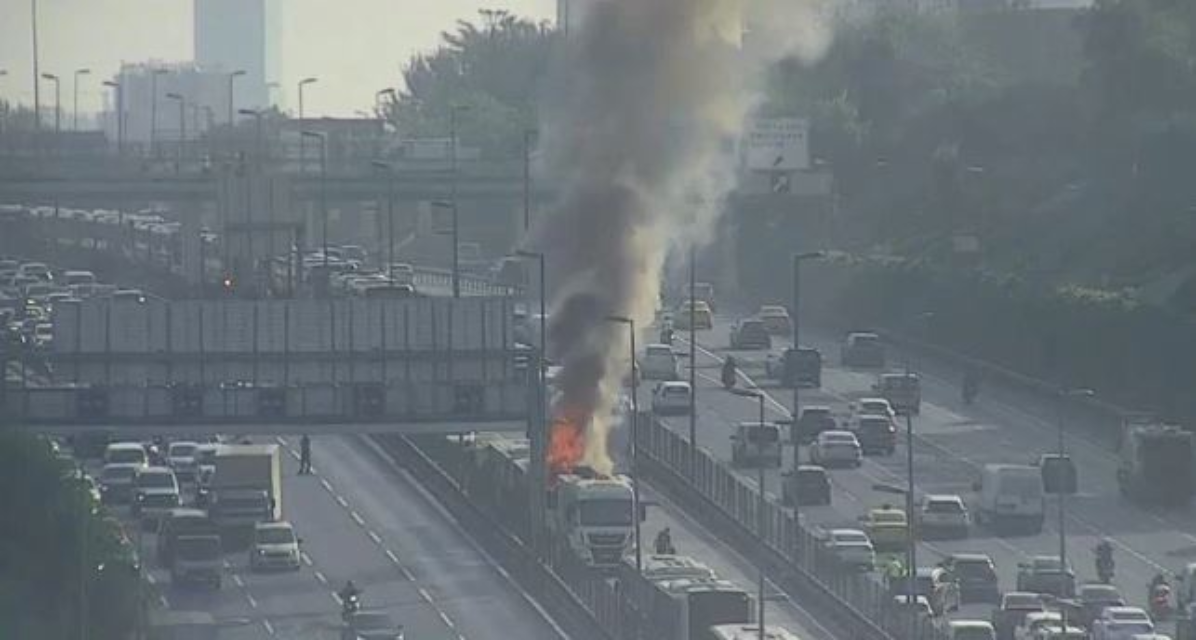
(355, 47)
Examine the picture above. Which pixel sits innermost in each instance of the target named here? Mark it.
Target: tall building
(203, 91)
(236, 35)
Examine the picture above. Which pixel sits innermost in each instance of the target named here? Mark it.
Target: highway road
(362, 519)
(951, 441)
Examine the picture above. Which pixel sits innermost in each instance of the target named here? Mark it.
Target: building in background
(204, 93)
(233, 35)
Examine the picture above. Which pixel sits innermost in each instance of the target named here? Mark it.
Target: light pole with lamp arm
(390, 216)
(75, 110)
(760, 505)
(153, 129)
(57, 103)
(453, 111)
(635, 445)
(259, 145)
(1064, 396)
(528, 135)
(302, 140)
(4, 115)
(231, 108)
(454, 231)
(539, 434)
(786, 366)
(178, 166)
(323, 138)
(120, 111)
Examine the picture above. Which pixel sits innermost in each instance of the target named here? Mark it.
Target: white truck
(594, 513)
(246, 487)
(1010, 496)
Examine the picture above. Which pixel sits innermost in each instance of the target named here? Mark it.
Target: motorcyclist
(350, 595)
(664, 542)
(729, 374)
(1158, 594)
(666, 332)
(1104, 560)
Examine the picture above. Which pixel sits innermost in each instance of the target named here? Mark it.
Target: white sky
(355, 47)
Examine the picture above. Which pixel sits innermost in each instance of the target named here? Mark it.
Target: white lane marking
(228, 567)
(423, 593)
(449, 623)
(342, 502)
(149, 577)
(377, 538)
(357, 518)
(166, 603)
(435, 505)
(253, 603)
(237, 579)
(327, 487)
(307, 559)
(337, 598)
(320, 577)
(283, 441)
(392, 557)
(270, 628)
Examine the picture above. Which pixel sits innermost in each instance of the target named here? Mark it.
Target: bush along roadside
(1130, 353)
(62, 559)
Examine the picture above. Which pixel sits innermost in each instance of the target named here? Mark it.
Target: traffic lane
(339, 548)
(453, 578)
(692, 539)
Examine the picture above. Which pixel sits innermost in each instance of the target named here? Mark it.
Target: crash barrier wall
(437, 467)
(159, 246)
(792, 554)
(561, 575)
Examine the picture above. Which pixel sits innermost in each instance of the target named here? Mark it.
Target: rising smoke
(650, 97)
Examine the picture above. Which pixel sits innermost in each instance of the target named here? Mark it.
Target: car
(1046, 574)
(704, 292)
(876, 434)
(370, 625)
(750, 333)
(1094, 597)
(155, 492)
(976, 575)
(836, 448)
(776, 319)
(275, 546)
(1035, 622)
(939, 588)
(809, 486)
(943, 515)
(920, 604)
(873, 406)
(851, 547)
(703, 317)
(1121, 623)
(671, 398)
(902, 390)
(795, 367)
(756, 444)
(659, 363)
(1057, 632)
(126, 452)
(180, 522)
(887, 527)
(1059, 474)
(814, 420)
(862, 349)
(1013, 609)
(971, 630)
(180, 456)
(116, 482)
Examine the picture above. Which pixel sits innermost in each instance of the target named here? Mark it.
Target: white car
(836, 447)
(116, 482)
(921, 604)
(671, 398)
(873, 407)
(971, 630)
(659, 363)
(126, 453)
(851, 547)
(275, 546)
(944, 514)
(1032, 626)
(1121, 623)
(180, 456)
(155, 492)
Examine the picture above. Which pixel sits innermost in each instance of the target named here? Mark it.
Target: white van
(1010, 496)
(659, 363)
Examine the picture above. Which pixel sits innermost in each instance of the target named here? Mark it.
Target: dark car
(1092, 598)
(1012, 611)
(371, 625)
(814, 420)
(862, 349)
(810, 486)
(877, 435)
(1059, 473)
(181, 522)
(796, 367)
(976, 576)
(1045, 574)
(750, 334)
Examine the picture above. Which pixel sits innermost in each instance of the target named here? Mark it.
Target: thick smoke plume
(648, 102)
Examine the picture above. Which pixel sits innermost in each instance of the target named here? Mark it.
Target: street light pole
(153, 130)
(539, 434)
(635, 446)
(303, 140)
(693, 362)
(760, 505)
(323, 189)
(120, 109)
(795, 429)
(390, 218)
(57, 109)
(37, 92)
(75, 117)
(259, 146)
(231, 77)
(1065, 395)
(528, 134)
(453, 111)
(178, 167)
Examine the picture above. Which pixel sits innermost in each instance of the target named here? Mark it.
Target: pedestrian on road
(304, 455)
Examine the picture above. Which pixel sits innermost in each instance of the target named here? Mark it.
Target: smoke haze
(649, 100)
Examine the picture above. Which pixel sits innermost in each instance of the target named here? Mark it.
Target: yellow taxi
(887, 527)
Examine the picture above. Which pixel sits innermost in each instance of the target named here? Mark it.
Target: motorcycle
(666, 336)
(1160, 601)
(350, 605)
(664, 545)
(729, 376)
(1104, 569)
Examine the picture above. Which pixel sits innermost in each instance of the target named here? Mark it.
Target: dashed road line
(320, 577)
(269, 627)
(374, 536)
(448, 621)
(392, 557)
(252, 602)
(357, 518)
(423, 593)
(305, 558)
(327, 487)
(237, 579)
(342, 502)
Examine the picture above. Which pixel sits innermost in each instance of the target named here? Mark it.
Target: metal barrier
(860, 601)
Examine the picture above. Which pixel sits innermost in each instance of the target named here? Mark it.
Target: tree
(494, 68)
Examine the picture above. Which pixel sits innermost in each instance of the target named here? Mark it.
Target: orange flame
(566, 441)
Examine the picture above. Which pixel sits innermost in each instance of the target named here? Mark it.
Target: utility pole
(693, 362)
(75, 116)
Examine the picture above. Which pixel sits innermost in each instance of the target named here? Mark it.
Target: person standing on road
(304, 455)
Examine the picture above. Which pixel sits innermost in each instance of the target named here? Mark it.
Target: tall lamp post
(231, 108)
(37, 91)
(528, 136)
(635, 445)
(3, 116)
(259, 145)
(323, 138)
(455, 232)
(1064, 396)
(390, 217)
(693, 360)
(539, 433)
(302, 140)
(178, 165)
(120, 111)
(795, 429)
(453, 111)
(153, 129)
(75, 116)
(760, 506)
(57, 101)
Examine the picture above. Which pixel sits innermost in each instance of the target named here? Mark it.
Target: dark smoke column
(642, 108)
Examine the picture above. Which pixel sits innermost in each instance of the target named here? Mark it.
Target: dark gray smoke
(639, 139)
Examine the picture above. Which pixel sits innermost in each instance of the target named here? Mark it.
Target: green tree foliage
(49, 519)
(495, 68)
